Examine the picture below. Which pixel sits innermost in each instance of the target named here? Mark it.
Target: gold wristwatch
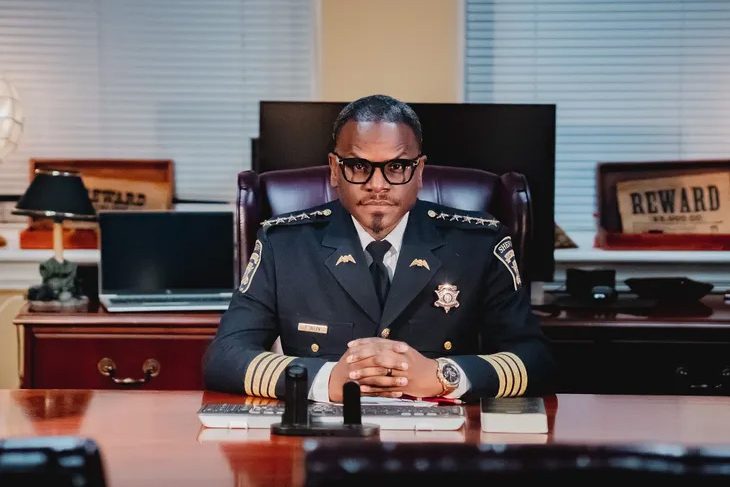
(448, 374)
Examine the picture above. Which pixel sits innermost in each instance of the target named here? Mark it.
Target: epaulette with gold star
(463, 220)
(296, 218)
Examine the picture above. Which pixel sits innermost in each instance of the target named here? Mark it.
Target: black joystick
(296, 409)
(296, 420)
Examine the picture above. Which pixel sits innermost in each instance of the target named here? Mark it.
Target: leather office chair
(507, 197)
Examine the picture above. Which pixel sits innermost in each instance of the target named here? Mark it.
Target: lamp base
(55, 305)
(60, 290)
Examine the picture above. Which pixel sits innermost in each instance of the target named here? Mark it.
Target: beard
(376, 224)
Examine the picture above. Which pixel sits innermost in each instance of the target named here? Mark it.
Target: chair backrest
(507, 197)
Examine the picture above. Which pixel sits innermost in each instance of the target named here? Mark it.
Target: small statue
(60, 289)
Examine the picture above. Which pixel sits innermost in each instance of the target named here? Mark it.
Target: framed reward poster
(693, 203)
(674, 205)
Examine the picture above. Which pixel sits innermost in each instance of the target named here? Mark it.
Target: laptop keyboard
(169, 299)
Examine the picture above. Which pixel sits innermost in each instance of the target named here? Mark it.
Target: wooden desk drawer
(72, 360)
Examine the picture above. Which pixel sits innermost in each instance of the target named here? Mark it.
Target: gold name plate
(312, 328)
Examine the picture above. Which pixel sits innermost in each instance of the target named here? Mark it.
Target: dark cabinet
(684, 352)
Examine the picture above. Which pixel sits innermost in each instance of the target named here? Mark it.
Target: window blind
(177, 79)
(632, 81)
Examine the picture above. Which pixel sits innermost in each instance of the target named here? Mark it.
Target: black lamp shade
(60, 195)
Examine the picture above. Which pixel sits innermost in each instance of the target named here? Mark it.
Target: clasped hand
(384, 368)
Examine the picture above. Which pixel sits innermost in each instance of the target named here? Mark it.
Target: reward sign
(107, 193)
(698, 203)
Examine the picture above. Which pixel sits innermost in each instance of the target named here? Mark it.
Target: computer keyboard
(395, 417)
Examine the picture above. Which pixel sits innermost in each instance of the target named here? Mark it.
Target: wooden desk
(681, 350)
(678, 351)
(64, 350)
(154, 438)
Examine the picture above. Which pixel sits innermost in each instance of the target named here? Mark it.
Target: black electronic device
(597, 286)
(296, 420)
(59, 461)
(669, 289)
(397, 416)
(494, 137)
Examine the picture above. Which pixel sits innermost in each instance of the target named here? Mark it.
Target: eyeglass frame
(416, 161)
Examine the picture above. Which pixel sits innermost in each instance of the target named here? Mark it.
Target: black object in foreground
(59, 461)
(296, 422)
(393, 464)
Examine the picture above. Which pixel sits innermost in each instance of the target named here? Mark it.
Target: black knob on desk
(296, 409)
(351, 411)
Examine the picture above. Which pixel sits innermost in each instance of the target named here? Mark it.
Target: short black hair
(378, 108)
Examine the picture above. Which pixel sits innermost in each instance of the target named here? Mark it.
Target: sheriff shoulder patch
(506, 254)
(251, 267)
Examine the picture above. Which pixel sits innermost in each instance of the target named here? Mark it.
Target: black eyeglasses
(359, 171)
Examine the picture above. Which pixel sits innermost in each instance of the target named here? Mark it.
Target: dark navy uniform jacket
(456, 293)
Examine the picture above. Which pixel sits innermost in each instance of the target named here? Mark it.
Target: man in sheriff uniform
(400, 295)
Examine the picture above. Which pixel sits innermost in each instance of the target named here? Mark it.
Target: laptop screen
(145, 252)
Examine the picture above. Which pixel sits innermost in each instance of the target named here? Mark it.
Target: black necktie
(377, 250)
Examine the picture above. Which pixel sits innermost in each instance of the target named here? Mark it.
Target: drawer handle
(150, 368)
(683, 373)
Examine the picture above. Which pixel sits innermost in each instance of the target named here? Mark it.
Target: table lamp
(11, 123)
(59, 195)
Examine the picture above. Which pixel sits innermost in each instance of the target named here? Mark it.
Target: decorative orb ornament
(11, 118)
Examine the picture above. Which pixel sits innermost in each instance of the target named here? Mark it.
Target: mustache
(376, 201)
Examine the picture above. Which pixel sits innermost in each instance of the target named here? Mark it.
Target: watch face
(450, 373)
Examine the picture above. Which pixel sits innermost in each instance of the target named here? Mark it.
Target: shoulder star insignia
(474, 220)
(282, 220)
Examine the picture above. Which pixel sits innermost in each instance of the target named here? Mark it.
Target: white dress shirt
(320, 386)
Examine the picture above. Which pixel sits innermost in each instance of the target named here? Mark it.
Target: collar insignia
(343, 259)
(420, 263)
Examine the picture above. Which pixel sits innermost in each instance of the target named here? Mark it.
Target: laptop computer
(166, 260)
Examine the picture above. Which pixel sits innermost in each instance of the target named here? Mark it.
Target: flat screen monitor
(157, 252)
(494, 137)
